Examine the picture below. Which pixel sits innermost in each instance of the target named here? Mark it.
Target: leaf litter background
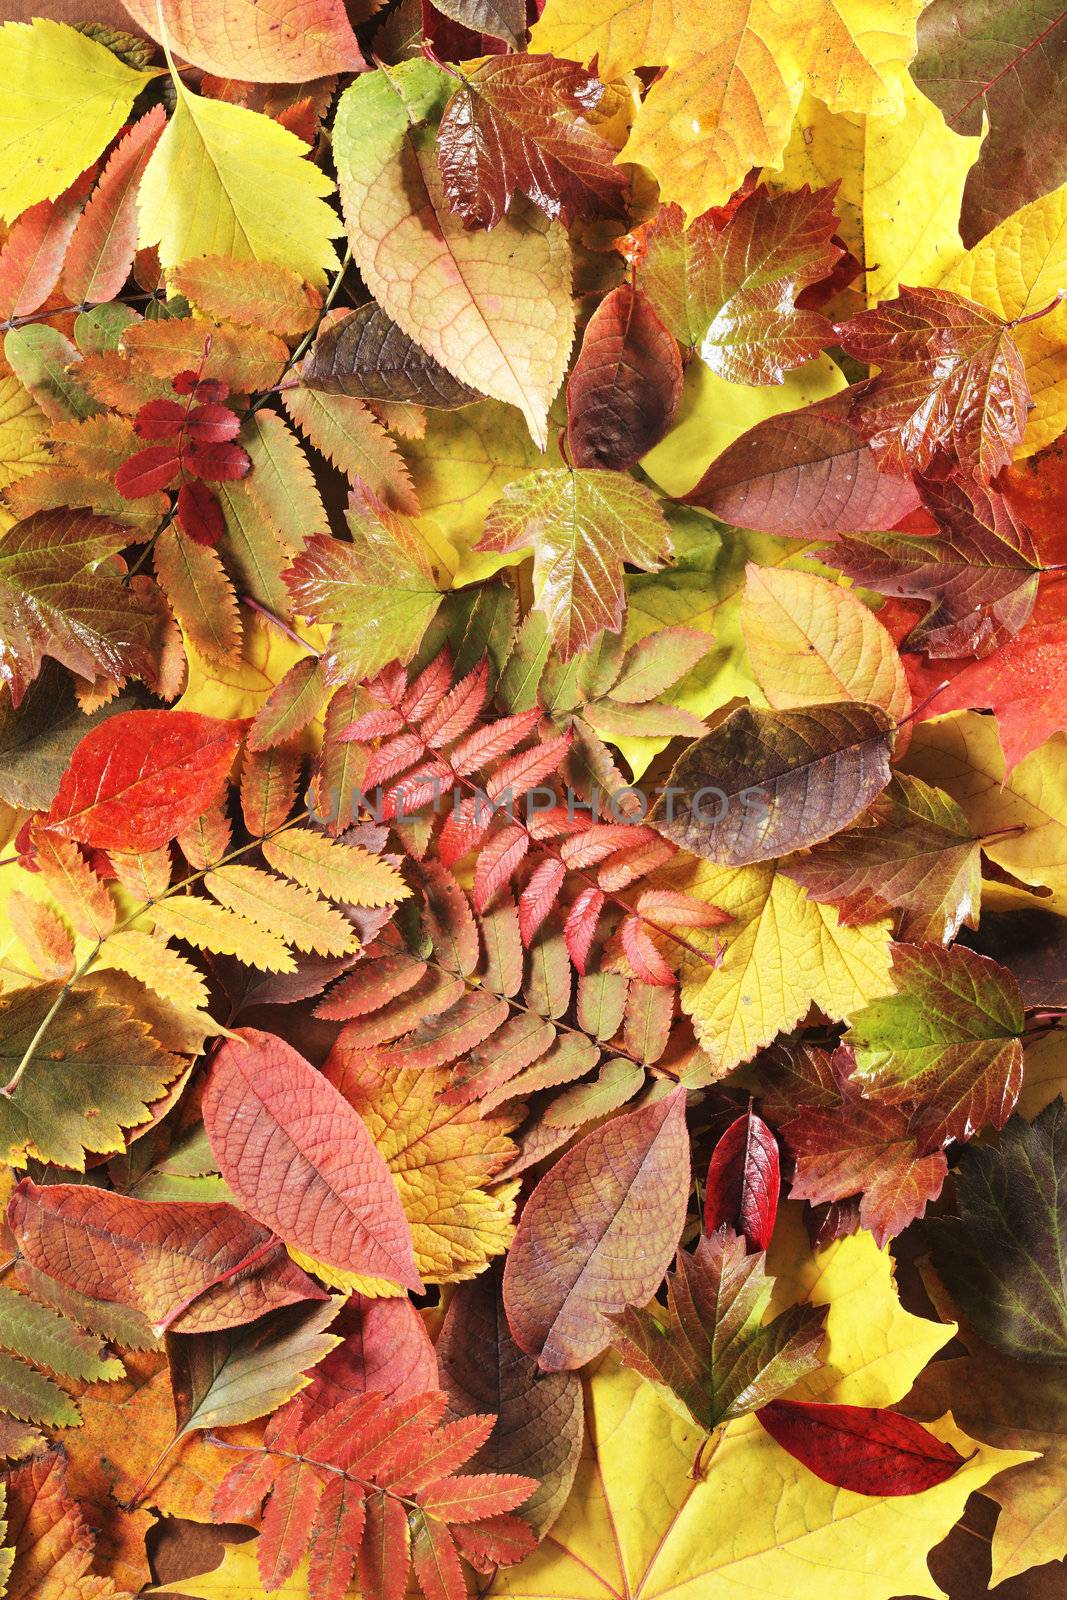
(980, 1383)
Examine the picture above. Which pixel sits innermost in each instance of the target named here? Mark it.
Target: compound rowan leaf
(205, 190)
(951, 382)
(810, 640)
(105, 240)
(711, 1349)
(948, 1039)
(726, 103)
(61, 596)
(256, 294)
(1002, 1257)
(521, 124)
(860, 1448)
(299, 1158)
(597, 1233)
(538, 1426)
(743, 1182)
(135, 781)
(730, 290)
(190, 1266)
(349, 434)
(767, 782)
(626, 383)
(808, 472)
(367, 355)
(512, 346)
(582, 525)
(66, 96)
(912, 854)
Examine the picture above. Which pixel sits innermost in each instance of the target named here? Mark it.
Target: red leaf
(135, 781)
(159, 419)
(298, 1157)
(383, 1555)
(581, 924)
(498, 861)
(626, 383)
(335, 1539)
(33, 252)
(147, 472)
(199, 514)
(860, 1448)
(539, 896)
(436, 1562)
(642, 953)
(101, 252)
(220, 462)
(211, 423)
(744, 1180)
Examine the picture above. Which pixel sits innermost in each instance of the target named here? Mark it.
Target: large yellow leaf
(961, 752)
(22, 431)
(901, 185)
(1019, 268)
(811, 641)
(223, 181)
(64, 96)
(782, 954)
(737, 72)
(493, 307)
(758, 1524)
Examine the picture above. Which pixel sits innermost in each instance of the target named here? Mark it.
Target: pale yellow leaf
(306, 921)
(157, 966)
(207, 926)
(23, 428)
(343, 872)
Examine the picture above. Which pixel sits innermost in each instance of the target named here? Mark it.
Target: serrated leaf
(105, 240)
(39, 1334)
(343, 872)
(349, 434)
(308, 922)
(365, 354)
(266, 43)
(158, 966)
(210, 927)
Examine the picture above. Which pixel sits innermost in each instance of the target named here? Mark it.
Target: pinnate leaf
(255, 294)
(105, 240)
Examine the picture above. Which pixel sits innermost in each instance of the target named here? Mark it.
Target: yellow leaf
(442, 1158)
(210, 927)
(343, 872)
(758, 1523)
(737, 71)
(963, 750)
(811, 641)
(782, 954)
(713, 413)
(1019, 268)
(494, 307)
(157, 966)
(238, 688)
(226, 181)
(271, 903)
(64, 97)
(901, 185)
(22, 433)
(1045, 1075)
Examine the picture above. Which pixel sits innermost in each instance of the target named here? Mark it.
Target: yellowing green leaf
(811, 641)
(226, 181)
(901, 185)
(782, 954)
(493, 307)
(64, 97)
(1017, 269)
(736, 76)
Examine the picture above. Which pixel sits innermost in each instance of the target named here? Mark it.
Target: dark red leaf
(147, 472)
(199, 513)
(219, 462)
(210, 423)
(860, 1448)
(626, 383)
(744, 1180)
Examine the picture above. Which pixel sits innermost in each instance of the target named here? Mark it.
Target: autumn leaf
(365, 354)
(626, 383)
(52, 1544)
(104, 242)
(249, 41)
(582, 526)
(859, 1448)
(742, 1186)
(302, 1161)
(591, 1239)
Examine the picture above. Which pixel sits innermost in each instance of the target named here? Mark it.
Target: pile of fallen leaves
(533, 787)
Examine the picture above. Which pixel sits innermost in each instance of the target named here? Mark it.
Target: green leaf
(30, 1396)
(37, 1333)
(710, 1349)
(1004, 1258)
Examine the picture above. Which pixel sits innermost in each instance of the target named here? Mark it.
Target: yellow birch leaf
(65, 96)
(901, 185)
(757, 1523)
(811, 641)
(493, 307)
(1017, 269)
(781, 954)
(225, 181)
(736, 75)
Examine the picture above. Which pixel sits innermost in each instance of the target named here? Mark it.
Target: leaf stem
(276, 622)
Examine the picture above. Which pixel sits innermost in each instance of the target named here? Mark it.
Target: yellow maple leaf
(737, 72)
(900, 189)
(780, 954)
(64, 97)
(1019, 268)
